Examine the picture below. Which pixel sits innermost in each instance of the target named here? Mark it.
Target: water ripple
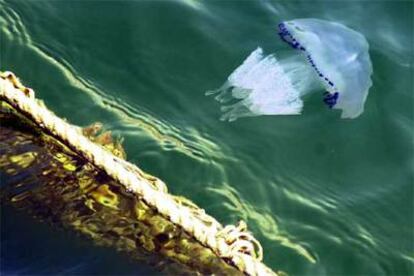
(261, 219)
(187, 140)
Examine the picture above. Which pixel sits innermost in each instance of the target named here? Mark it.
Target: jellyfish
(326, 56)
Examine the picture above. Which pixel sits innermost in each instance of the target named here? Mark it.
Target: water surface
(324, 196)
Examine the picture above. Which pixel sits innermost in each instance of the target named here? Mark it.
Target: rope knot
(239, 241)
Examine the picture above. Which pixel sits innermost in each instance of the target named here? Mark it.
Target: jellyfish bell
(328, 56)
(339, 56)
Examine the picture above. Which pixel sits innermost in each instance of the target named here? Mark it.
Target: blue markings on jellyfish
(327, 55)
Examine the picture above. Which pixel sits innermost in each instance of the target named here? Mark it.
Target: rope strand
(232, 243)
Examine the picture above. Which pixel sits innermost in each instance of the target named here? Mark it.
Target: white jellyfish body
(329, 55)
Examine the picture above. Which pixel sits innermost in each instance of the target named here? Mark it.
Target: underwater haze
(323, 195)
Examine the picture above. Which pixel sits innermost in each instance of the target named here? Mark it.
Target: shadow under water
(44, 178)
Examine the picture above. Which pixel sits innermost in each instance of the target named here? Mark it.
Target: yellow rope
(232, 243)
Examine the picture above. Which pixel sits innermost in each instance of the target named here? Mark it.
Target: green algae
(52, 183)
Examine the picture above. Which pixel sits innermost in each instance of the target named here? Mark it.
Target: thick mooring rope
(231, 243)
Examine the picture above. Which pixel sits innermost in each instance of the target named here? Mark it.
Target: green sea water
(324, 196)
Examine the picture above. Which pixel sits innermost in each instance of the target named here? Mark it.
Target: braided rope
(231, 243)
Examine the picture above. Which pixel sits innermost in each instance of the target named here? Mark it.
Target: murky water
(324, 196)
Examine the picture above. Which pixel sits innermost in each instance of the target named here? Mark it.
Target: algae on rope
(52, 183)
(100, 160)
